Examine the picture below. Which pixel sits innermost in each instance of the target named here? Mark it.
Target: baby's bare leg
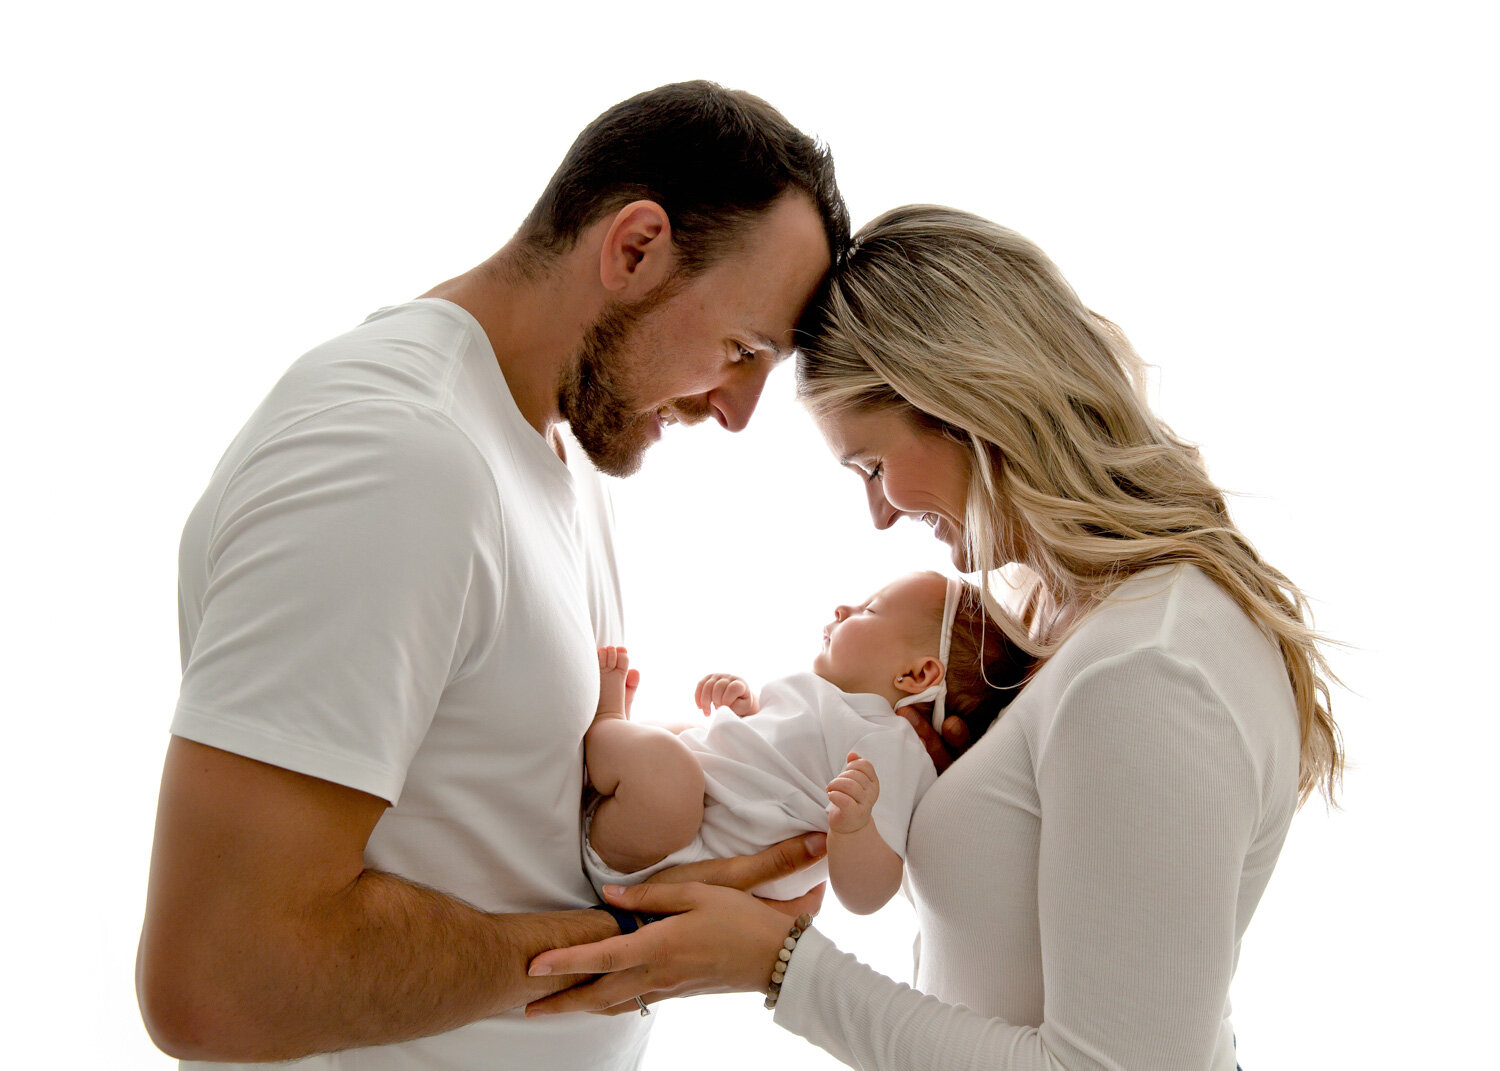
(651, 783)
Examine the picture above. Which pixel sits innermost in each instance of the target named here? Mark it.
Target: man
(391, 594)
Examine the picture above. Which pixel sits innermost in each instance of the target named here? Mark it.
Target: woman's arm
(1150, 804)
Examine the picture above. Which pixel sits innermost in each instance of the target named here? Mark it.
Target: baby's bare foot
(614, 668)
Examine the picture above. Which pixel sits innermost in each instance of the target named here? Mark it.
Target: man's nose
(734, 402)
(881, 512)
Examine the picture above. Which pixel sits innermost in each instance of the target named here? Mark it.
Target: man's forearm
(381, 962)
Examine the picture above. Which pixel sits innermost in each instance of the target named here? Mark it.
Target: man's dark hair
(713, 158)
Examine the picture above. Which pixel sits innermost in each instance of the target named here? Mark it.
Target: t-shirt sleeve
(1148, 802)
(904, 772)
(353, 564)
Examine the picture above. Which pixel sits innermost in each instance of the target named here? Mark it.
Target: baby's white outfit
(766, 777)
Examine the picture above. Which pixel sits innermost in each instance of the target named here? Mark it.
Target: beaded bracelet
(784, 957)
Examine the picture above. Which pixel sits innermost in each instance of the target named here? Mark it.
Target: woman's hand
(719, 939)
(745, 872)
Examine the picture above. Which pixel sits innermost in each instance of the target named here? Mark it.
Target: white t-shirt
(393, 583)
(766, 776)
(1083, 875)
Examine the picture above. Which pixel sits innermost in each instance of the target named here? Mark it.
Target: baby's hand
(851, 795)
(725, 690)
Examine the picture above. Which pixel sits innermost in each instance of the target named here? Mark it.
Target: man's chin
(621, 455)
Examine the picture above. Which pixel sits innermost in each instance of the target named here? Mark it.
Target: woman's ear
(637, 254)
(920, 675)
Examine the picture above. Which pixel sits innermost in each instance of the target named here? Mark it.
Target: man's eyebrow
(766, 342)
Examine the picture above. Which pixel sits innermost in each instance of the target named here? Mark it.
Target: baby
(805, 754)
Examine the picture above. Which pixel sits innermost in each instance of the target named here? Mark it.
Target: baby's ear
(920, 675)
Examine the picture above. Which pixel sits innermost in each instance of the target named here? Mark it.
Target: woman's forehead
(852, 435)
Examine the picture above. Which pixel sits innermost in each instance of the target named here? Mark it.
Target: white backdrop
(1289, 207)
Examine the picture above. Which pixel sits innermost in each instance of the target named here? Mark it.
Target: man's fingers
(941, 757)
(956, 734)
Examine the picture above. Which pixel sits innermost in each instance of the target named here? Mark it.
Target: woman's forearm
(870, 1021)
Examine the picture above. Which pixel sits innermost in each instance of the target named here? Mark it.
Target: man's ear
(920, 675)
(637, 254)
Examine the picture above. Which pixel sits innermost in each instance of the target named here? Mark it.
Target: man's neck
(534, 323)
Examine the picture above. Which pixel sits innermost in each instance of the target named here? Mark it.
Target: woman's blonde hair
(971, 331)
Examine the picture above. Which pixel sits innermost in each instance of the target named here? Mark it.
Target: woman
(1083, 874)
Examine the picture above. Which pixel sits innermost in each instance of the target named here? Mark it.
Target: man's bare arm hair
(266, 938)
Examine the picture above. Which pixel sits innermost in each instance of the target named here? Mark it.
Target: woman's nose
(881, 512)
(840, 612)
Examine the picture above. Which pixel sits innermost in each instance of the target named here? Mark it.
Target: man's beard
(595, 397)
(600, 396)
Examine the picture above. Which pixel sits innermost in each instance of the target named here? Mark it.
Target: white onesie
(766, 776)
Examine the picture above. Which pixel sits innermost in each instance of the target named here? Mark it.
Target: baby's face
(867, 646)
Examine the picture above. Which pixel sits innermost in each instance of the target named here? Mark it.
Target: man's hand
(851, 795)
(717, 940)
(942, 750)
(726, 690)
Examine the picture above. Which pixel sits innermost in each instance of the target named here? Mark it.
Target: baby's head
(890, 645)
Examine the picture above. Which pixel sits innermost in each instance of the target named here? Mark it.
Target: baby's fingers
(702, 692)
(853, 788)
(845, 815)
(839, 801)
(727, 690)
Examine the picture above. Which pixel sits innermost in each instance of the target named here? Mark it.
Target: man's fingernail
(613, 890)
(815, 843)
(536, 970)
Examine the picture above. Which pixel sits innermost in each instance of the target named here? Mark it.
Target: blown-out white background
(1289, 208)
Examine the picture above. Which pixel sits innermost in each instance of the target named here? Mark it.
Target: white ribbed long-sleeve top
(1083, 875)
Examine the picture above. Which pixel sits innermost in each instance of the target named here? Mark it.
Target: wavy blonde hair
(970, 331)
